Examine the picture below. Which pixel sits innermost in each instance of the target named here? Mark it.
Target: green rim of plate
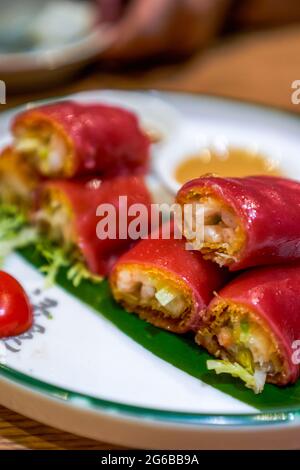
(282, 416)
(136, 412)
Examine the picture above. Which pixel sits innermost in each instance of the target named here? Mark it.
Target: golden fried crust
(150, 311)
(218, 316)
(18, 181)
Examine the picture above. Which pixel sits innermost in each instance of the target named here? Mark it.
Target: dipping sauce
(234, 162)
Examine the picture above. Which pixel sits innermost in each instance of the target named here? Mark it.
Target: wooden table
(258, 67)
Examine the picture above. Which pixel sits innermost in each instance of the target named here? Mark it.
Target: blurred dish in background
(56, 24)
(44, 41)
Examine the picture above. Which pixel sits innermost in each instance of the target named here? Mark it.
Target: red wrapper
(166, 264)
(266, 210)
(89, 139)
(79, 223)
(270, 296)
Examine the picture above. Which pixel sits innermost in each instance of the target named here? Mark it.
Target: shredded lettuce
(15, 232)
(58, 257)
(12, 220)
(236, 370)
(79, 272)
(25, 237)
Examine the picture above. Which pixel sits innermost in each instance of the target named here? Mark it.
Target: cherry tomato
(16, 314)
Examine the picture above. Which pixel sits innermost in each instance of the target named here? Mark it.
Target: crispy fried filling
(54, 218)
(233, 334)
(150, 292)
(13, 190)
(221, 233)
(17, 181)
(44, 146)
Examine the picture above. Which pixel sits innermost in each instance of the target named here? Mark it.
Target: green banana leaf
(180, 351)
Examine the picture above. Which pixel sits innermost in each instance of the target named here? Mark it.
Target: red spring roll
(69, 139)
(165, 284)
(18, 181)
(247, 221)
(67, 214)
(252, 324)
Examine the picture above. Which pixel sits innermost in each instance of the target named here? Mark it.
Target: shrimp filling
(236, 337)
(55, 218)
(138, 290)
(44, 146)
(221, 234)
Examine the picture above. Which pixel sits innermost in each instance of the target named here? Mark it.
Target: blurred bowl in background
(44, 42)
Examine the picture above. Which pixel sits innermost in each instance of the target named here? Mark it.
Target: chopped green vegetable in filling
(33, 144)
(245, 358)
(164, 296)
(138, 288)
(244, 326)
(244, 346)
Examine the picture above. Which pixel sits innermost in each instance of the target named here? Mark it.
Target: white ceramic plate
(59, 47)
(78, 372)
